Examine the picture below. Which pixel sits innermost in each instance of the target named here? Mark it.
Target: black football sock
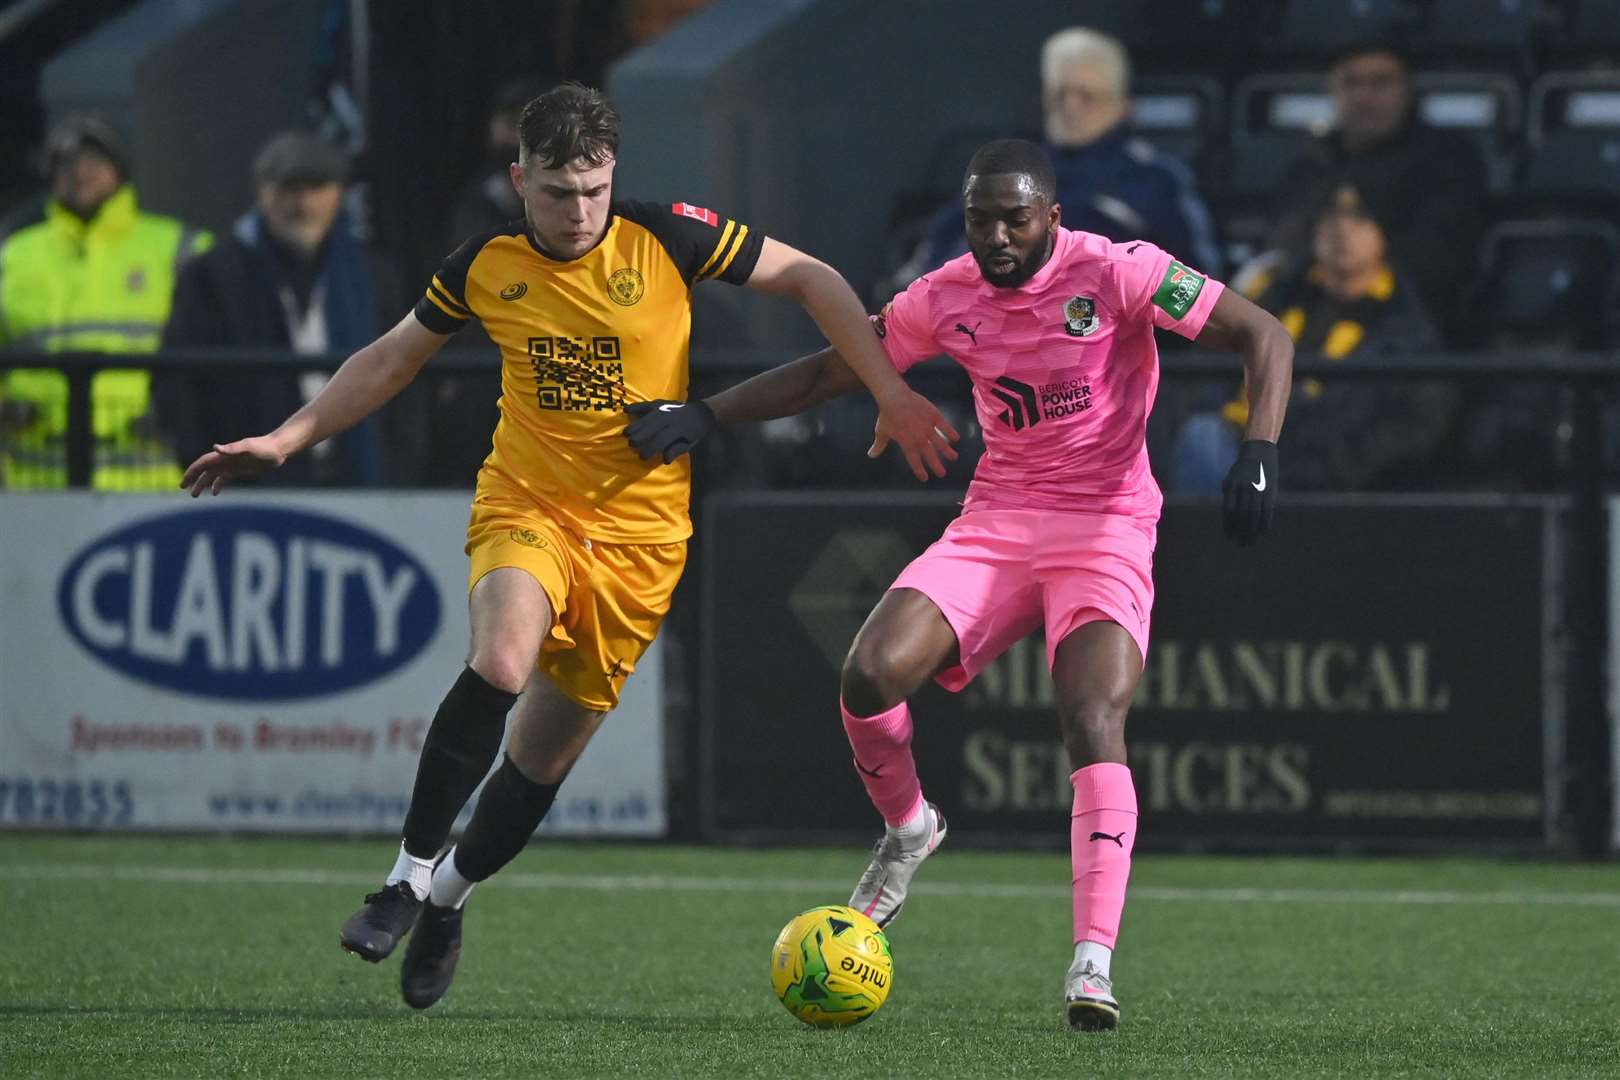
(460, 747)
(509, 809)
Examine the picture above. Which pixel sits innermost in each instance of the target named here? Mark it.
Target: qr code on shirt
(578, 374)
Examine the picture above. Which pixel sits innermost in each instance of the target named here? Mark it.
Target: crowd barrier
(1415, 672)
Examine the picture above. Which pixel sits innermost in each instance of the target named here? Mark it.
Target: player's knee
(876, 677)
(860, 694)
(504, 669)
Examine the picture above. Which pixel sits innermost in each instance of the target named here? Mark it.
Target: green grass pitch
(154, 957)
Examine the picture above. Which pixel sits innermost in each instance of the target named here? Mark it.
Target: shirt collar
(558, 260)
(114, 216)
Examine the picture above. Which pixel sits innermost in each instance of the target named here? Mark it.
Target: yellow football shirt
(581, 339)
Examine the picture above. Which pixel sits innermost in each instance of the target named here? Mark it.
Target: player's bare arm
(904, 416)
(788, 390)
(1249, 492)
(1237, 324)
(365, 382)
(666, 430)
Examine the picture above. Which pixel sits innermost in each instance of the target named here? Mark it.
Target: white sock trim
(417, 872)
(1099, 956)
(916, 829)
(450, 889)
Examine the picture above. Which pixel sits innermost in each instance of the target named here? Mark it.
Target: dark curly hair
(569, 122)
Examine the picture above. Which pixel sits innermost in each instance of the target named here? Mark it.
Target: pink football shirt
(1064, 367)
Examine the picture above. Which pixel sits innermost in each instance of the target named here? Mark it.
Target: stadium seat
(941, 179)
(938, 184)
(1575, 137)
(1554, 277)
(1317, 27)
(1591, 28)
(1485, 106)
(1273, 120)
(1190, 35)
(1480, 28)
(1179, 114)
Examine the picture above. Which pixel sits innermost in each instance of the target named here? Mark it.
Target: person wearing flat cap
(86, 269)
(292, 275)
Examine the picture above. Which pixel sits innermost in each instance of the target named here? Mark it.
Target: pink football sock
(1102, 831)
(882, 746)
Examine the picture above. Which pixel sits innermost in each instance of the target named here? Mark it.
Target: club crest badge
(528, 537)
(625, 286)
(1080, 316)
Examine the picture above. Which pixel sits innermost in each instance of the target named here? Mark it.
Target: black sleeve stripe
(725, 237)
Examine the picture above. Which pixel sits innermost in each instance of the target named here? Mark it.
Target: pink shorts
(998, 574)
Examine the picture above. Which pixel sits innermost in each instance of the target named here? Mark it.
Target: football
(831, 966)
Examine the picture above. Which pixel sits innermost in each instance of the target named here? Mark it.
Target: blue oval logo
(249, 603)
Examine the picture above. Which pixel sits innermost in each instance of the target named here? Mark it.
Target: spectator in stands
(1351, 302)
(489, 199)
(1108, 180)
(456, 430)
(291, 275)
(90, 272)
(1426, 185)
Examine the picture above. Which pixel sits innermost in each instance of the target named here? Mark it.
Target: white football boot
(882, 889)
(1088, 995)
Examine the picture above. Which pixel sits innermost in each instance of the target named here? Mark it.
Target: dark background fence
(1550, 552)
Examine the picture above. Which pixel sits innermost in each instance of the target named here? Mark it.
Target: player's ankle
(914, 831)
(415, 872)
(450, 889)
(1098, 955)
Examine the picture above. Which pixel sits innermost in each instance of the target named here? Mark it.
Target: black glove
(1249, 492)
(668, 429)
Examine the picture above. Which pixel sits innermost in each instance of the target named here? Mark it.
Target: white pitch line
(668, 883)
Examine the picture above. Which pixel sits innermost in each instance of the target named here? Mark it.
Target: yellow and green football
(831, 966)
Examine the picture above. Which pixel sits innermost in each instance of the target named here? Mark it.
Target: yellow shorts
(607, 599)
